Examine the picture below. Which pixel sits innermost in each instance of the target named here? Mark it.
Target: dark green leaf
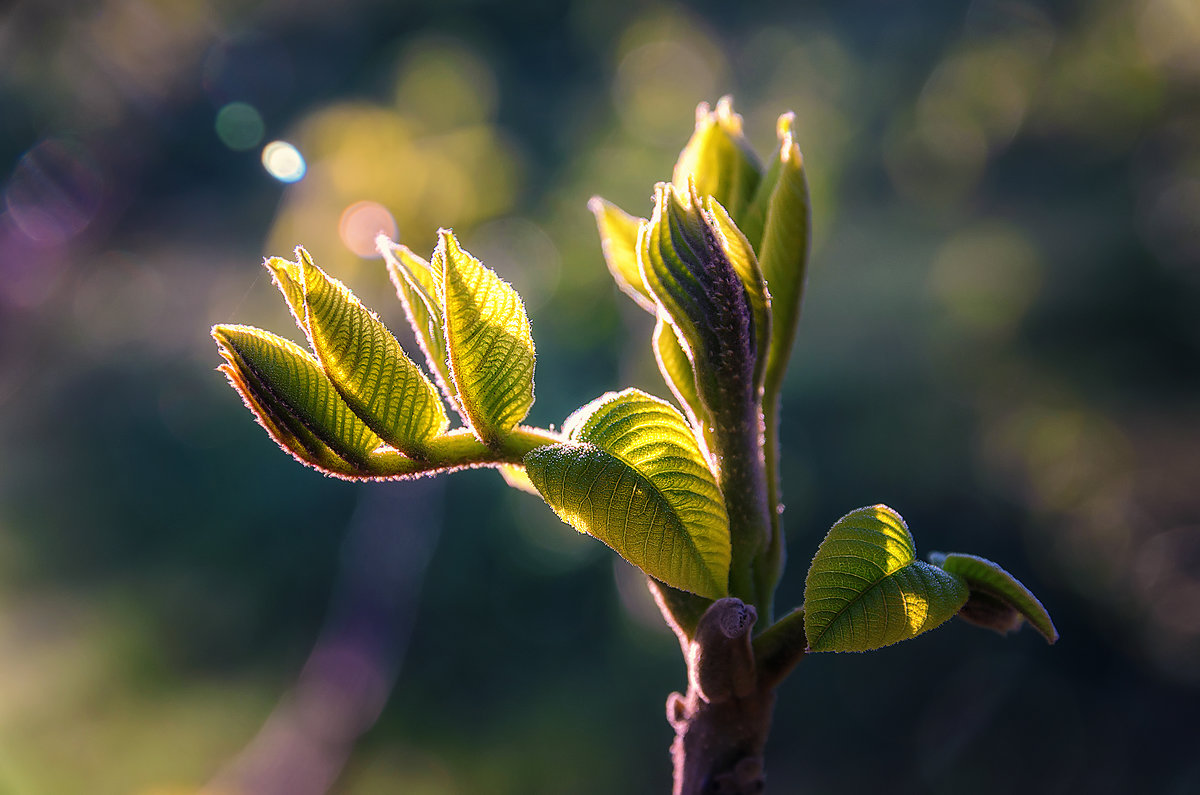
(998, 600)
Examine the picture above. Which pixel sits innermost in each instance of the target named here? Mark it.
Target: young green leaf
(998, 600)
(633, 476)
(618, 240)
(783, 248)
(719, 159)
(677, 371)
(865, 588)
(297, 404)
(368, 367)
(418, 287)
(488, 342)
(686, 269)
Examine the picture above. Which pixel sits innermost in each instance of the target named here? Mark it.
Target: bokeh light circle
(361, 223)
(284, 161)
(239, 126)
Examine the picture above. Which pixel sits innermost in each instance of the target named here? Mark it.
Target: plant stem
(460, 449)
(721, 725)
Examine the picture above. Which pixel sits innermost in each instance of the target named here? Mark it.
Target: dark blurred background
(1000, 340)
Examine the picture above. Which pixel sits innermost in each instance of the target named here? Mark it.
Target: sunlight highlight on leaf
(865, 588)
(633, 476)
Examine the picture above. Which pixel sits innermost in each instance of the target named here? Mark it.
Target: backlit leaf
(677, 371)
(618, 239)
(417, 286)
(998, 600)
(633, 476)
(488, 341)
(289, 278)
(294, 400)
(367, 365)
(866, 589)
(719, 159)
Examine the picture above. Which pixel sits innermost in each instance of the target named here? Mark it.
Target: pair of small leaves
(360, 407)
(632, 475)
(866, 589)
(474, 332)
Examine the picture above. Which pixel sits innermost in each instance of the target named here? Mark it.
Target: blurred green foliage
(1000, 341)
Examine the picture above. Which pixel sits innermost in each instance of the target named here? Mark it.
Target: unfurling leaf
(488, 342)
(865, 588)
(998, 600)
(367, 365)
(778, 223)
(719, 159)
(618, 239)
(297, 404)
(686, 269)
(633, 476)
(418, 287)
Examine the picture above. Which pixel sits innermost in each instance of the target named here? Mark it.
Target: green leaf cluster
(357, 405)
(690, 495)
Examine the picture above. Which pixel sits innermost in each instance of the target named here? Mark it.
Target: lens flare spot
(283, 161)
(361, 223)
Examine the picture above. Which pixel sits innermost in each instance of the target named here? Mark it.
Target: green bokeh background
(1000, 340)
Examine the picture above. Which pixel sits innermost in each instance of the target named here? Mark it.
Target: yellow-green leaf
(294, 400)
(783, 247)
(998, 600)
(488, 342)
(633, 476)
(367, 365)
(719, 159)
(418, 288)
(677, 371)
(618, 239)
(866, 589)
